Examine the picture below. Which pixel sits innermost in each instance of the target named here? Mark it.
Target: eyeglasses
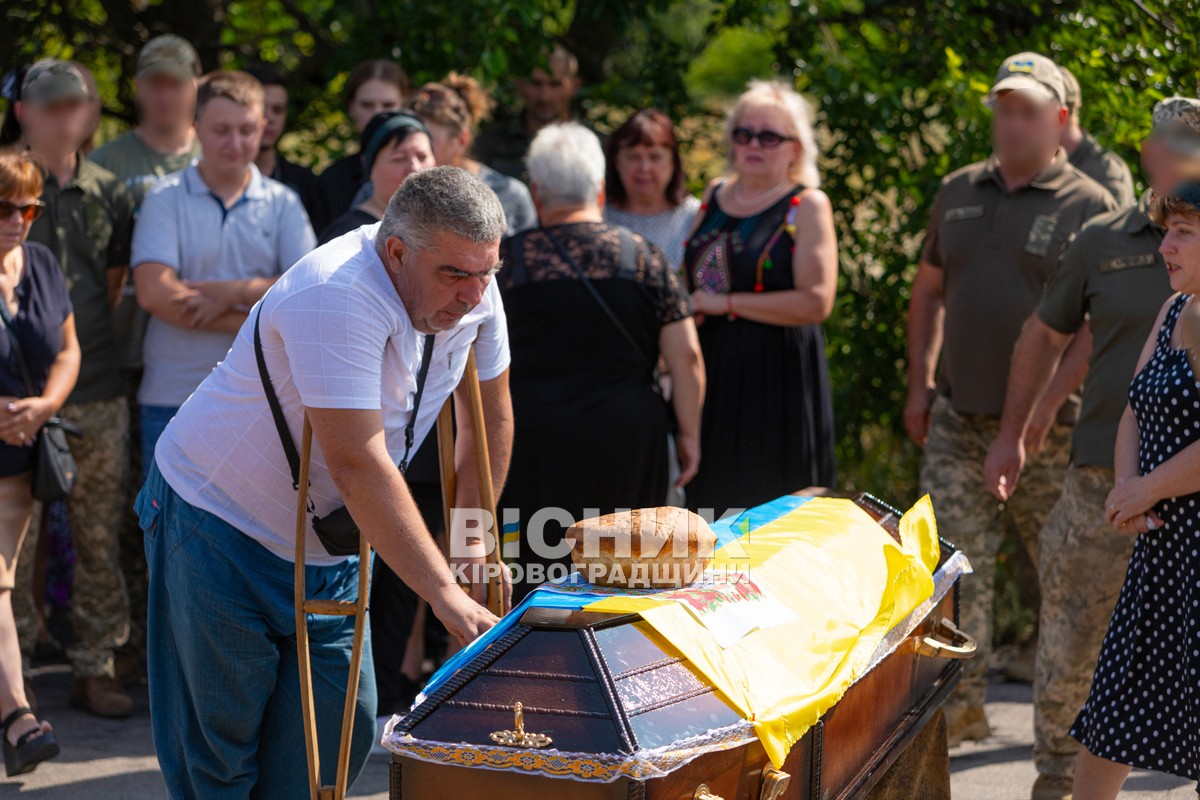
(767, 138)
(28, 213)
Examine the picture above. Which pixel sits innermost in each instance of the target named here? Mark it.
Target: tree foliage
(897, 84)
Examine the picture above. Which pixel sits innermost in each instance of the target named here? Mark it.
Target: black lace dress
(768, 412)
(591, 432)
(1144, 707)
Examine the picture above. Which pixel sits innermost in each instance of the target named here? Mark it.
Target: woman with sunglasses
(761, 265)
(37, 320)
(453, 109)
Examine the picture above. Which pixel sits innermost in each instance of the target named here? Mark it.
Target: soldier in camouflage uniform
(88, 224)
(995, 233)
(163, 142)
(1111, 281)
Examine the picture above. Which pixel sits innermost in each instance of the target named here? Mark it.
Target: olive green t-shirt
(89, 225)
(996, 249)
(139, 166)
(1112, 275)
(1106, 168)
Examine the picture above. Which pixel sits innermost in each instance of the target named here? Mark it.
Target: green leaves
(897, 84)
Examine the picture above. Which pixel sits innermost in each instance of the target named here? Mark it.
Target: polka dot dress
(1144, 707)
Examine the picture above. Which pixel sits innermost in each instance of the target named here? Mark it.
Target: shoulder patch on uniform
(1125, 262)
(963, 212)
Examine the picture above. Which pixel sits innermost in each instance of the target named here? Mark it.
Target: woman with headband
(395, 144)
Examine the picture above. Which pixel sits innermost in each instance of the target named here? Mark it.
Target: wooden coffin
(630, 721)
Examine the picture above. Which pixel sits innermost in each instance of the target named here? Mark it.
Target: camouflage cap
(49, 80)
(1071, 89)
(1028, 72)
(168, 55)
(1177, 123)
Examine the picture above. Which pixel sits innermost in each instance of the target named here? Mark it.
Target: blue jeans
(224, 674)
(154, 421)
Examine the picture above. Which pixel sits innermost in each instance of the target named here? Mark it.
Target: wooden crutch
(345, 608)
(483, 468)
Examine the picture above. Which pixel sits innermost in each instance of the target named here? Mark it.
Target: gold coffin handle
(704, 793)
(957, 645)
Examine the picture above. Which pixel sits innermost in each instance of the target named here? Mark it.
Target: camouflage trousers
(970, 517)
(1082, 564)
(96, 509)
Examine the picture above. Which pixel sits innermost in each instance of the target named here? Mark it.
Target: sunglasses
(28, 213)
(767, 138)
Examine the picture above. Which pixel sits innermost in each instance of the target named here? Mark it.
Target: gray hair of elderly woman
(441, 199)
(566, 165)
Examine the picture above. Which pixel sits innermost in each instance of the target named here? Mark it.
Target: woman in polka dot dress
(1144, 706)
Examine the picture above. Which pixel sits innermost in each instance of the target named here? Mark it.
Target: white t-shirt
(335, 334)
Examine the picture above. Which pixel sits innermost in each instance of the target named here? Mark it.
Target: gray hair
(441, 199)
(566, 165)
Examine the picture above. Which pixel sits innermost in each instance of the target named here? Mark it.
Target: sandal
(32, 748)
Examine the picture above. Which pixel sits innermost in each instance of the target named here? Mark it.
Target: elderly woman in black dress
(1144, 707)
(591, 308)
(762, 266)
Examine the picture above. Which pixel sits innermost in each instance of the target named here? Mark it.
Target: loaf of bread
(657, 548)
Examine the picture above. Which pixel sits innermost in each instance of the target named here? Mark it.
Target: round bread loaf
(658, 548)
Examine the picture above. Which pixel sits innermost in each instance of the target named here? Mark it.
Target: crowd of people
(636, 344)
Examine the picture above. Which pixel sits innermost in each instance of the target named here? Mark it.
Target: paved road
(115, 759)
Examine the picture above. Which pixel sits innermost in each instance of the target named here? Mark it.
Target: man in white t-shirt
(344, 333)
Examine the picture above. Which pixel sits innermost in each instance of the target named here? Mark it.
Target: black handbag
(337, 530)
(54, 470)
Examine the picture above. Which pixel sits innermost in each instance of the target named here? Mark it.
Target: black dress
(340, 183)
(768, 413)
(1144, 707)
(591, 433)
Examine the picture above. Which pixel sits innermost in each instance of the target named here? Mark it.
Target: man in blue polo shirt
(209, 241)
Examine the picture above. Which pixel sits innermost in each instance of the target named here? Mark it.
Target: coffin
(626, 717)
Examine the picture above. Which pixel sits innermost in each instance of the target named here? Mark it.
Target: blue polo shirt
(183, 225)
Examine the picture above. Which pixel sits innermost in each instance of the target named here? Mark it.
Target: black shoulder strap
(591, 289)
(285, 436)
(10, 326)
(422, 373)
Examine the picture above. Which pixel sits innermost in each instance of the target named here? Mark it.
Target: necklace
(737, 193)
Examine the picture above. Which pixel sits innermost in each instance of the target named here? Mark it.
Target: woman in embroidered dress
(761, 265)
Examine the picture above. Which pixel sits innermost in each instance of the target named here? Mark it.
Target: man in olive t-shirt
(162, 143)
(995, 233)
(1112, 281)
(87, 223)
(1087, 155)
